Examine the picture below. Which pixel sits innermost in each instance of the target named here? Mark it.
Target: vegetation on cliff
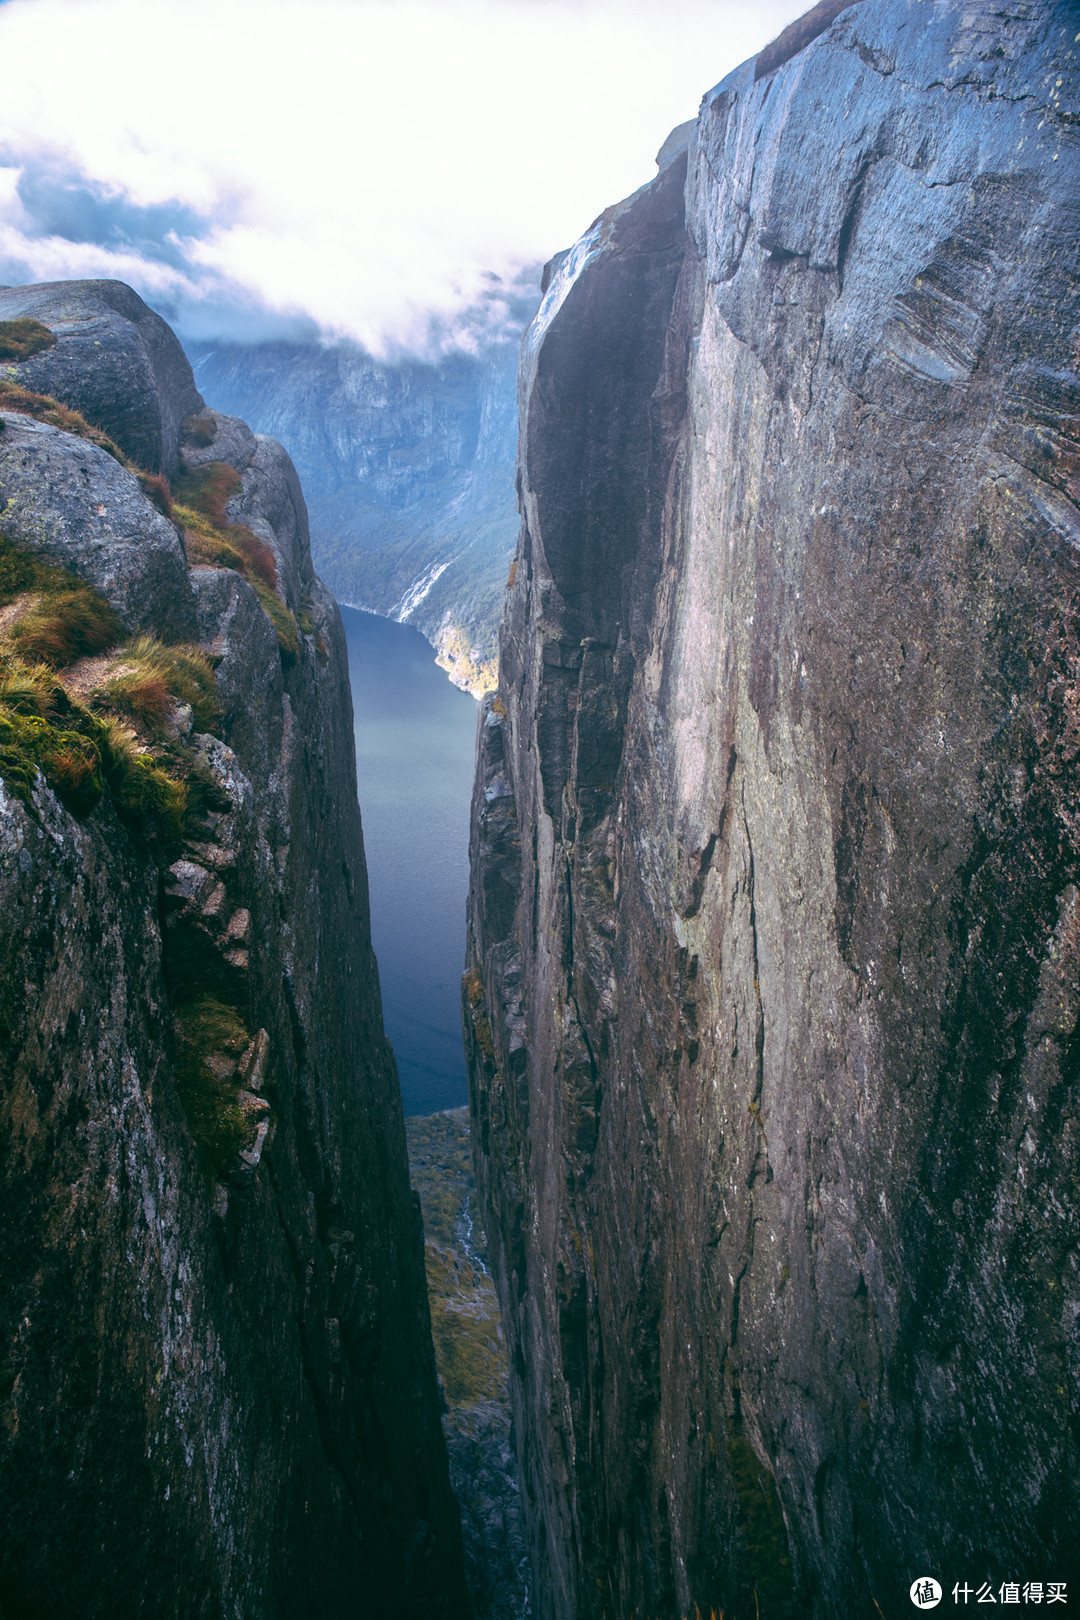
(21, 338)
(201, 498)
(212, 1039)
(63, 707)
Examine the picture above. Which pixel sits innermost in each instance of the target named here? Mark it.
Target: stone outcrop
(114, 360)
(218, 1393)
(772, 1005)
(69, 502)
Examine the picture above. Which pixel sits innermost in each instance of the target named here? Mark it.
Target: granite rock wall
(218, 1395)
(774, 945)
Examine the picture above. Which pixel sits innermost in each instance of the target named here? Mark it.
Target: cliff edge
(775, 916)
(218, 1393)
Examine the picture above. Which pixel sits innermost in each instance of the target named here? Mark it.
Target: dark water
(414, 764)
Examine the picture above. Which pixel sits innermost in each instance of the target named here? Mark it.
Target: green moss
(67, 758)
(208, 1030)
(762, 1524)
(146, 794)
(79, 754)
(21, 338)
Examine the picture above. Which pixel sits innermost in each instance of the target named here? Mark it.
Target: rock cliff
(217, 1388)
(775, 919)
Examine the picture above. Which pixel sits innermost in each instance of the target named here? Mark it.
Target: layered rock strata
(218, 1393)
(774, 936)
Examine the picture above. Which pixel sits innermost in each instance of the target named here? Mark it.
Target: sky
(378, 170)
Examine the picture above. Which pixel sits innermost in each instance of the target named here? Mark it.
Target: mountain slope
(408, 468)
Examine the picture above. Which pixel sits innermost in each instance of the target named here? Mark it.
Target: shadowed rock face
(214, 1399)
(114, 360)
(775, 929)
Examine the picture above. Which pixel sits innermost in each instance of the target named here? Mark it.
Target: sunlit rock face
(775, 928)
(218, 1394)
(408, 469)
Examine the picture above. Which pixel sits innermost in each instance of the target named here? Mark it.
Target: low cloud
(381, 170)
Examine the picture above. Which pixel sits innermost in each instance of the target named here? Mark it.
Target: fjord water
(414, 767)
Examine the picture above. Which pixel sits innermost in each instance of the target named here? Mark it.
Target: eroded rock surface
(218, 1393)
(772, 1007)
(114, 360)
(68, 502)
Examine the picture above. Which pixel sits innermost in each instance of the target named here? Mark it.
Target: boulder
(114, 360)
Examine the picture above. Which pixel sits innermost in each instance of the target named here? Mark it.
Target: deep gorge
(771, 997)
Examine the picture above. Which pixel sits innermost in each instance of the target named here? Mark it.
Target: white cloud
(364, 162)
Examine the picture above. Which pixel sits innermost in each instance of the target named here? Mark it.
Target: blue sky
(373, 169)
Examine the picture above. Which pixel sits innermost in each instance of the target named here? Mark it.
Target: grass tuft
(156, 486)
(208, 490)
(21, 338)
(66, 625)
(159, 675)
(140, 693)
(27, 689)
(208, 1030)
(199, 431)
(43, 408)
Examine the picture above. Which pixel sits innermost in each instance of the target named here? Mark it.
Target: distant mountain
(408, 470)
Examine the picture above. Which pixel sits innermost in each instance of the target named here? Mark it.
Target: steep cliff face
(218, 1393)
(409, 474)
(774, 924)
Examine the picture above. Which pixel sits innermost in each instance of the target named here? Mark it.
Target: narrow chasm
(415, 739)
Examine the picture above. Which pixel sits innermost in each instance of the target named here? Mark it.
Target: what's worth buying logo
(926, 1593)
